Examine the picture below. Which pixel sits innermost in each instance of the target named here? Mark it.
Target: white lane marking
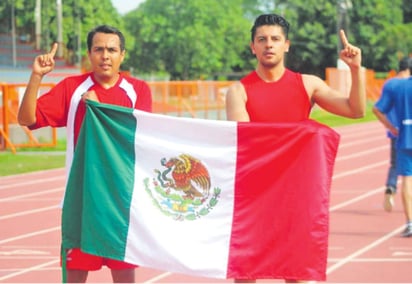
(351, 257)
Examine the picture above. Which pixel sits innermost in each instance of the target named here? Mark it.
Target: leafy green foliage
(202, 39)
(188, 39)
(372, 25)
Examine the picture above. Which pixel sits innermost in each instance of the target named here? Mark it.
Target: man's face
(269, 45)
(105, 55)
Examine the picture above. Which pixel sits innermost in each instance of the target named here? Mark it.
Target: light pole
(342, 23)
(37, 16)
(13, 34)
(59, 28)
(79, 35)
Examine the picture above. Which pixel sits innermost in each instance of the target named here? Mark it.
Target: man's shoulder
(396, 84)
(397, 80)
(134, 80)
(77, 78)
(73, 81)
(251, 77)
(140, 86)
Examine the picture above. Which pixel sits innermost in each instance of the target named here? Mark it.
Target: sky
(124, 6)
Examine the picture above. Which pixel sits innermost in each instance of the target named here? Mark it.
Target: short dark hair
(404, 64)
(270, 19)
(107, 30)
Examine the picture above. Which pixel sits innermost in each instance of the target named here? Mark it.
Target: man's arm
(42, 65)
(385, 121)
(352, 56)
(236, 103)
(333, 101)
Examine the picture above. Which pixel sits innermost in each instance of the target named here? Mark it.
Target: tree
(407, 11)
(79, 16)
(24, 21)
(376, 26)
(188, 39)
(199, 39)
(379, 30)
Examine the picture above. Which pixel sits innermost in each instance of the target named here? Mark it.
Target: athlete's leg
(407, 196)
(78, 265)
(123, 275)
(76, 276)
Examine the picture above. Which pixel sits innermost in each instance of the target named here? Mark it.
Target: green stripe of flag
(113, 143)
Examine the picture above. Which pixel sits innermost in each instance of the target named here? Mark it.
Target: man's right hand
(44, 63)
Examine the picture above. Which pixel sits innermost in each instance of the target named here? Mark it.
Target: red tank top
(283, 101)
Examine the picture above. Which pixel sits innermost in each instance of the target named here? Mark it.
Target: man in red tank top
(273, 93)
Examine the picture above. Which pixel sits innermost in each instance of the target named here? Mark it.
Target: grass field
(28, 160)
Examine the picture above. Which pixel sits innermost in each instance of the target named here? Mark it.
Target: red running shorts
(76, 259)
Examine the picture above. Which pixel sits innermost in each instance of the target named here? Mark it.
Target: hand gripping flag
(218, 199)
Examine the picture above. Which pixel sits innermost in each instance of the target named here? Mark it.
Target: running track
(364, 245)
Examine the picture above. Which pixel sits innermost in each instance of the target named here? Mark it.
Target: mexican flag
(218, 199)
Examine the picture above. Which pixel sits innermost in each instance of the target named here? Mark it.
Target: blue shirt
(396, 104)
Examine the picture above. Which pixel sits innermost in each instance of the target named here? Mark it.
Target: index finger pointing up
(343, 38)
(54, 49)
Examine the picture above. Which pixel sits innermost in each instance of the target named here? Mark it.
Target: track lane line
(20, 237)
(361, 169)
(28, 212)
(31, 182)
(32, 194)
(27, 270)
(352, 256)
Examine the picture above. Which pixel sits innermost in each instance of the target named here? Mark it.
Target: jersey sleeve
(52, 108)
(144, 97)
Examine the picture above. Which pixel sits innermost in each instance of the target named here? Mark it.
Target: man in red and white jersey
(64, 106)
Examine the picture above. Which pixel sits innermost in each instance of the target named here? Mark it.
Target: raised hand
(350, 54)
(44, 63)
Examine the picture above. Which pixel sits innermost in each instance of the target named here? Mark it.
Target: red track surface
(365, 244)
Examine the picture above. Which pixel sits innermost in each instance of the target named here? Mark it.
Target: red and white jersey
(62, 105)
